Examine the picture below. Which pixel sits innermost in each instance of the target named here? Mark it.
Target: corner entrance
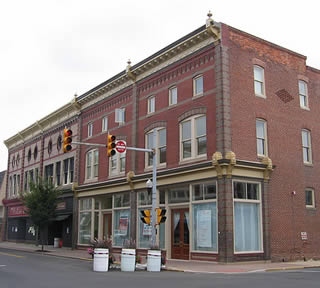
(180, 234)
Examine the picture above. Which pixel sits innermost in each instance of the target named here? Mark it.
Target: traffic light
(67, 140)
(111, 145)
(161, 218)
(146, 216)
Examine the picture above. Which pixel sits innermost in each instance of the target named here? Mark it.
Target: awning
(61, 217)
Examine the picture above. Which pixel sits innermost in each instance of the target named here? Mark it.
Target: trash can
(56, 242)
(154, 261)
(128, 260)
(101, 260)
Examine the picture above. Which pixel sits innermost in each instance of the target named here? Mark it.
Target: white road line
(3, 265)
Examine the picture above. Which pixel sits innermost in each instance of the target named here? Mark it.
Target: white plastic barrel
(56, 242)
(101, 260)
(154, 261)
(128, 260)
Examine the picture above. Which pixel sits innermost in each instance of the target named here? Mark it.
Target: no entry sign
(121, 146)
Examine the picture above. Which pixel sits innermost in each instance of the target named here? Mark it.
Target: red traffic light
(67, 140)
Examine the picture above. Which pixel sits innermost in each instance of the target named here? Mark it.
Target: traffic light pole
(154, 180)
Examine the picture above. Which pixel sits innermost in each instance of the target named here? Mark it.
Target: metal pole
(89, 144)
(154, 191)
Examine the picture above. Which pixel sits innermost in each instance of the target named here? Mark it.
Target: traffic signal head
(161, 218)
(146, 216)
(67, 140)
(111, 145)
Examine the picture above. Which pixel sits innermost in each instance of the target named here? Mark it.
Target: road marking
(3, 265)
(12, 255)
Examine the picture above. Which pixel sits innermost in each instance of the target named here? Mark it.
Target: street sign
(121, 146)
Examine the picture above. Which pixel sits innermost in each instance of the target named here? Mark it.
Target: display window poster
(147, 231)
(123, 225)
(204, 233)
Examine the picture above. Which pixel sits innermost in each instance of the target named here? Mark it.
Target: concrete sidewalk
(175, 265)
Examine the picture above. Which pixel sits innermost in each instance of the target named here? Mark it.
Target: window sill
(197, 96)
(111, 176)
(91, 180)
(172, 105)
(305, 108)
(150, 168)
(193, 159)
(308, 164)
(261, 96)
(310, 208)
(150, 114)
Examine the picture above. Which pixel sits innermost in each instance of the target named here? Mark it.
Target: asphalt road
(32, 270)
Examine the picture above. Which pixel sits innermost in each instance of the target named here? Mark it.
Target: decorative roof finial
(129, 73)
(209, 14)
(129, 62)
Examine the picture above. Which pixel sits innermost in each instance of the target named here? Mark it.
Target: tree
(41, 204)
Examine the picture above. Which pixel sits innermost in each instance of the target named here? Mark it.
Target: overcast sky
(50, 50)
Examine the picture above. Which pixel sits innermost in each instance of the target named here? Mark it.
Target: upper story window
(48, 173)
(303, 94)
(58, 173)
(50, 146)
(310, 201)
(161, 146)
(261, 135)
(92, 164)
(59, 142)
(120, 115)
(29, 155)
(198, 85)
(117, 164)
(193, 137)
(151, 104)
(105, 123)
(68, 170)
(35, 152)
(173, 95)
(90, 129)
(306, 146)
(259, 83)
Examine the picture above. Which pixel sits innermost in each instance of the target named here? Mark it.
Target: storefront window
(122, 200)
(179, 194)
(247, 217)
(144, 198)
(106, 202)
(145, 232)
(85, 228)
(121, 230)
(205, 227)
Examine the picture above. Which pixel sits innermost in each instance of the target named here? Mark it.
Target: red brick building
(236, 146)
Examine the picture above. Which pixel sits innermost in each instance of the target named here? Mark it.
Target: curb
(291, 268)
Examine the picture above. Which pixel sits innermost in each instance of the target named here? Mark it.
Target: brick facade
(224, 57)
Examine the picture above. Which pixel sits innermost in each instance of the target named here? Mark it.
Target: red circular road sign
(121, 146)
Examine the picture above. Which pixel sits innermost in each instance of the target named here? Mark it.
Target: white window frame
(90, 129)
(115, 164)
(193, 139)
(120, 115)
(306, 147)
(260, 212)
(92, 165)
(62, 175)
(195, 86)
(264, 139)
(158, 147)
(151, 104)
(171, 89)
(303, 95)
(257, 68)
(199, 202)
(104, 124)
(313, 205)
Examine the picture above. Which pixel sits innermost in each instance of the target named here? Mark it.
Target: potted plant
(101, 257)
(128, 256)
(154, 259)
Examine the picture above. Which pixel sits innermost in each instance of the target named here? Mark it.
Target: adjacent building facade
(236, 150)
